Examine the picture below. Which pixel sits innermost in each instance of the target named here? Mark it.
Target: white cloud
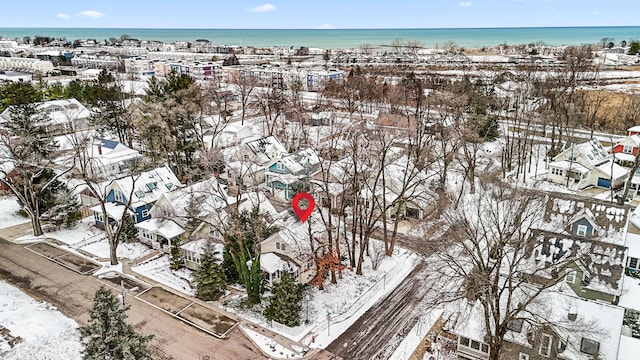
(262, 8)
(63, 16)
(465, 3)
(92, 14)
(325, 26)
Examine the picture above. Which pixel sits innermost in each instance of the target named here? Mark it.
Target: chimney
(99, 148)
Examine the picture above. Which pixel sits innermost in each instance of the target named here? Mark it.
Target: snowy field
(9, 215)
(45, 332)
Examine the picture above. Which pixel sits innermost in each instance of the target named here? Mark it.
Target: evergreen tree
(176, 256)
(488, 129)
(209, 278)
(286, 303)
(241, 257)
(107, 335)
(129, 230)
(192, 211)
(29, 149)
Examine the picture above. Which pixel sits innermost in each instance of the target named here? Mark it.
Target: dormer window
(151, 186)
(628, 149)
(581, 230)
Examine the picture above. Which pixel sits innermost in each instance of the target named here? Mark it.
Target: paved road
(72, 294)
(374, 335)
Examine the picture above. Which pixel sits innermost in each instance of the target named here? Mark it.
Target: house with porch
(160, 233)
(193, 250)
(283, 252)
(292, 174)
(586, 164)
(625, 150)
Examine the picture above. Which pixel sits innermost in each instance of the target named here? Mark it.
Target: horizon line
(328, 28)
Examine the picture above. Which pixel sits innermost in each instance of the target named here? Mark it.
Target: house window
(145, 213)
(118, 196)
(523, 356)
(280, 246)
(464, 341)
(557, 172)
(581, 230)
(589, 346)
(545, 345)
(98, 217)
(570, 277)
(280, 166)
(628, 149)
(633, 263)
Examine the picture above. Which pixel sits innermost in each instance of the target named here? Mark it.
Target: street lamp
(438, 348)
(328, 323)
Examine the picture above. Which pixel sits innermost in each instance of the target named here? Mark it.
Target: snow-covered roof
(167, 228)
(594, 321)
(629, 346)
(272, 262)
(611, 218)
(202, 245)
(603, 262)
(148, 186)
(590, 151)
(630, 296)
(624, 157)
(634, 129)
(633, 140)
(265, 149)
(114, 210)
(105, 152)
(569, 165)
(613, 170)
(208, 194)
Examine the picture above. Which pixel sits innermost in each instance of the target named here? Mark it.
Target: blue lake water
(348, 38)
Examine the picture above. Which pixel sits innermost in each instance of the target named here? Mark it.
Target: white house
(109, 158)
(579, 166)
(63, 116)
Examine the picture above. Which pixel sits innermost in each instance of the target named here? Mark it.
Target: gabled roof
(604, 262)
(265, 149)
(166, 228)
(148, 186)
(272, 262)
(594, 320)
(591, 150)
(207, 193)
(611, 218)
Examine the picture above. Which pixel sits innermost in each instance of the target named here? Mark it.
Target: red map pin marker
(303, 214)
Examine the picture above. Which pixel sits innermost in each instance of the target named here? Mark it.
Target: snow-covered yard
(85, 236)
(269, 346)
(9, 215)
(333, 310)
(45, 332)
(159, 270)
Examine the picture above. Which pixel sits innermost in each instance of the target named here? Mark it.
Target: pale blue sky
(306, 14)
